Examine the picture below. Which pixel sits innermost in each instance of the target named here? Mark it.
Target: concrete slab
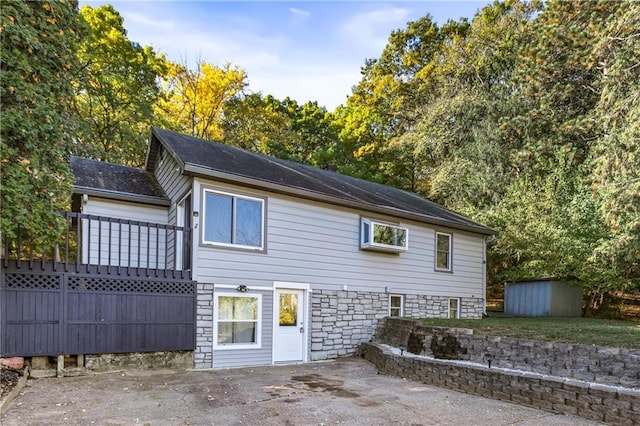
(346, 392)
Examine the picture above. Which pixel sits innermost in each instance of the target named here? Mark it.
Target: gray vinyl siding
(317, 243)
(176, 186)
(229, 358)
(108, 243)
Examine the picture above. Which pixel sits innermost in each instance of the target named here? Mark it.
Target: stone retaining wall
(591, 401)
(613, 366)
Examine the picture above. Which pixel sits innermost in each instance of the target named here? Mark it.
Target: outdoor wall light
(402, 349)
(242, 288)
(489, 357)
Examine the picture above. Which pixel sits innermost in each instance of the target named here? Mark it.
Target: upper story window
(383, 236)
(233, 220)
(443, 251)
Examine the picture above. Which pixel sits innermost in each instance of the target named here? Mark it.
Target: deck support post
(60, 369)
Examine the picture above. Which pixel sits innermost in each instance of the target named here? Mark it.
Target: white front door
(289, 325)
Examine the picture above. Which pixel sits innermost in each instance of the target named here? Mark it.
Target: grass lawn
(586, 331)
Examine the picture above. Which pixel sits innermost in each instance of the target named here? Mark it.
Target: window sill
(231, 247)
(232, 347)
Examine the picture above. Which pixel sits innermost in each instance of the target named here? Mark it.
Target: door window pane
(288, 310)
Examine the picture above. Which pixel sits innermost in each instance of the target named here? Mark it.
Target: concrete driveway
(344, 392)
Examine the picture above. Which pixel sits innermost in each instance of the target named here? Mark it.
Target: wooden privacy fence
(71, 313)
(108, 285)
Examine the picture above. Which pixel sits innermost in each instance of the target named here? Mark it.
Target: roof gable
(223, 162)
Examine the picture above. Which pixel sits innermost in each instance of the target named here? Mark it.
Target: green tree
(284, 129)
(117, 90)
(576, 140)
(616, 154)
(38, 64)
(383, 105)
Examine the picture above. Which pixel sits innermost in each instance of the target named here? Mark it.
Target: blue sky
(307, 50)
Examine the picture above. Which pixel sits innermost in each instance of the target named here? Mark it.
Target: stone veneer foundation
(340, 320)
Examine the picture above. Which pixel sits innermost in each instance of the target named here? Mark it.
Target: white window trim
(457, 315)
(449, 267)
(371, 245)
(232, 245)
(233, 346)
(401, 296)
(180, 220)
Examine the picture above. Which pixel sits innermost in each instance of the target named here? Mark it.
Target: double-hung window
(454, 308)
(237, 321)
(233, 220)
(396, 305)
(443, 252)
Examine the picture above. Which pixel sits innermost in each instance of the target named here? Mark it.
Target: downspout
(487, 240)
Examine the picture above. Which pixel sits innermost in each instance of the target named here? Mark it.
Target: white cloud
(145, 20)
(329, 86)
(299, 12)
(370, 29)
(279, 50)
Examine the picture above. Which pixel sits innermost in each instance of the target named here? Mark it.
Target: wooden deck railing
(99, 244)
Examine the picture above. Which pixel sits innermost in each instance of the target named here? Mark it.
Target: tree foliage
(38, 64)
(281, 128)
(193, 99)
(116, 91)
(525, 118)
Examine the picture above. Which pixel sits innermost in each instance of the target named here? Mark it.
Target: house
(290, 263)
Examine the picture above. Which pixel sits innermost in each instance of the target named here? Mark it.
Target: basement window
(383, 236)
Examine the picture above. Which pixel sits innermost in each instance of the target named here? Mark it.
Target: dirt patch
(316, 381)
(8, 380)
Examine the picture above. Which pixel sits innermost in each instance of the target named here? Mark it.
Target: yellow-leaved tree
(192, 99)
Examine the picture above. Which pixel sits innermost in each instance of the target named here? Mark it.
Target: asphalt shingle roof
(208, 158)
(114, 179)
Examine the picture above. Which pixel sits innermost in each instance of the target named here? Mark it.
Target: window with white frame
(443, 251)
(233, 220)
(396, 305)
(237, 321)
(383, 236)
(454, 308)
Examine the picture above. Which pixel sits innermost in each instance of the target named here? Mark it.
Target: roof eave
(199, 171)
(122, 196)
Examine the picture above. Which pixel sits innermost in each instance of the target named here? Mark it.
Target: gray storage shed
(542, 298)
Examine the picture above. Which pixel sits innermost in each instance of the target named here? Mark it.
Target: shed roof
(116, 182)
(208, 159)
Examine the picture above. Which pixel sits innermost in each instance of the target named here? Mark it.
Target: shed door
(289, 336)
